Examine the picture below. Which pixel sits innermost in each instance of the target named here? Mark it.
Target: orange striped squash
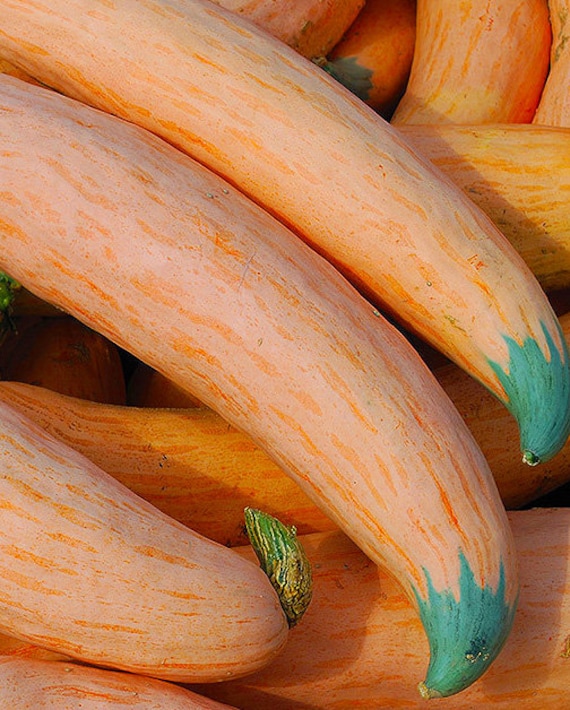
(554, 106)
(374, 57)
(297, 142)
(90, 570)
(360, 642)
(310, 27)
(232, 306)
(200, 470)
(477, 61)
(33, 684)
(519, 174)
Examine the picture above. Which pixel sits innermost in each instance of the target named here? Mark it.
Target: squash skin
(326, 165)
(278, 343)
(83, 560)
(477, 61)
(554, 106)
(310, 27)
(197, 468)
(36, 684)
(519, 175)
(374, 57)
(347, 653)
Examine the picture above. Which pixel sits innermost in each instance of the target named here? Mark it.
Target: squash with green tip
(283, 132)
(172, 263)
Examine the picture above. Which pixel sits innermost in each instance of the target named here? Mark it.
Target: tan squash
(519, 174)
(90, 570)
(310, 27)
(232, 306)
(477, 61)
(360, 643)
(374, 57)
(347, 653)
(301, 145)
(554, 106)
(197, 468)
(30, 684)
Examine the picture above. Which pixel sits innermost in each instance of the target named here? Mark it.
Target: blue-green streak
(351, 74)
(466, 634)
(538, 395)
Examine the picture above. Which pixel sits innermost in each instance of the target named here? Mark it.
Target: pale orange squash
(374, 57)
(31, 684)
(477, 61)
(554, 106)
(360, 642)
(90, 570)
(289, 136)
(310, 27)
(175, 265)
(519, 174)
(202, 471)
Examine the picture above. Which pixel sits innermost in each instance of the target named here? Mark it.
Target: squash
(348, 651)
(33, 684)
(360, 641)
(479, 61)
(90, 570)
(64, 355)
(297, 142)
(374, 57)
(183, 271)
(519, 174)
(554, 106)
(310, 27)
(200, 470)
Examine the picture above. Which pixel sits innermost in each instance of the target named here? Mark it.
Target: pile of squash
(284, 357)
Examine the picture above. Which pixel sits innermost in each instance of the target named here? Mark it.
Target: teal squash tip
(538, 395)
(466, 634)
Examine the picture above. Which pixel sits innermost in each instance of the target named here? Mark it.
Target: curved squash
(519, 175)
(200, 470)
(554, 106)
(289, 136)
(374, 57)
(477, 61)
(181, 269)
(90, 570)
(33, 684)
(360, 642)
(310, 27)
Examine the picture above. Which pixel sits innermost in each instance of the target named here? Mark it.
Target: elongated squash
(519, 174)
(310, 27)
(374, 57)
(178, 267)
(348, 651)
(90, 570)
(311, 153)
(33, 684)
(202, 471)
(477, 61)
(554, 106)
